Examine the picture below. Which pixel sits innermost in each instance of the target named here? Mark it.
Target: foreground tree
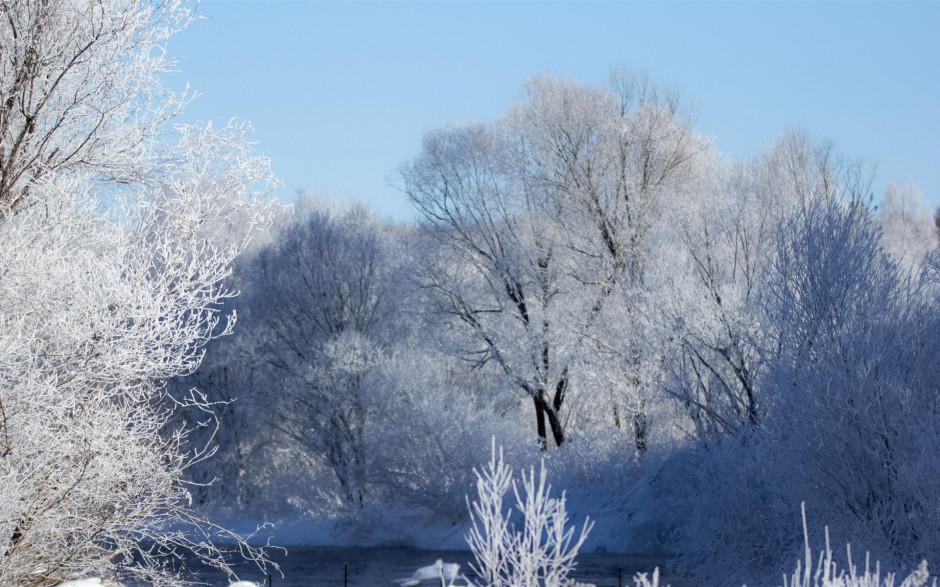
(98, 309)
(111, 282)
(80, 87)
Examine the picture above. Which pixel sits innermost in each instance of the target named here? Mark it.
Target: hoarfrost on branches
(117, 237)
(540, 554)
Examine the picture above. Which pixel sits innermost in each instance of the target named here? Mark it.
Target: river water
(367, 567)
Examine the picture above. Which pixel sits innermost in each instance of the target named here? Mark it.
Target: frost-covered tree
(727, 234)
(494, 269)
(81, 88)
(318, 304)
(711, 365)
(429, 423)
(103, 298)
(336, 397)
(857, 357)
(617, 162)
(111, 282)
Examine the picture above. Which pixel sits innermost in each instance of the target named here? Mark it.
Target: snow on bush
(542, 552)
(827, 573)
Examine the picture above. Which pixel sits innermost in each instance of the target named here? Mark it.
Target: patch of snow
(90, 582)
(438, 571)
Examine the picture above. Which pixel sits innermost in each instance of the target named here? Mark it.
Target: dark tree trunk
(15, 538)
(540, 421)
(560, 390)
(641, 427)
(545, 410)
(558, 432)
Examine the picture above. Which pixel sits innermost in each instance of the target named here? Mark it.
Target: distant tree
(495, 270)
(317, 300)
(910, 231)
(848, 408)
(709, 316)
(617, 162)
(333, 381)
(450, 418)
(714, 317)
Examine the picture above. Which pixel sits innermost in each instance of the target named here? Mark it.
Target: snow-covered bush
(539, 554)
(827, 573)
(432, 425)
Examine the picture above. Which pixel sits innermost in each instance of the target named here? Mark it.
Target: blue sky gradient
(340, 93)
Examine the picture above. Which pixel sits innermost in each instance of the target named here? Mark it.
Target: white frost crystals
(827, 575)
(94, 582)
(81, 87)
(542, 553)
(101, 299)
(116, 234)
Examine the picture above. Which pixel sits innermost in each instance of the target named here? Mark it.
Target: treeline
(589, 273)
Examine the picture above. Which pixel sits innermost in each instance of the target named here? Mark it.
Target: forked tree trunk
(540, 422)
(544, 411)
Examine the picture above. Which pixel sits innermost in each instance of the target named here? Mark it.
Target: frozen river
(325, 567)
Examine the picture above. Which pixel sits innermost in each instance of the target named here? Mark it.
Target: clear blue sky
(340, 93)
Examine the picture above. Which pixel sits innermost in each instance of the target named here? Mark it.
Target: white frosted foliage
(118, 233)
(540, 553)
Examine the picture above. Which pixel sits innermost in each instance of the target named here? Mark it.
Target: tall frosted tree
(726, 237)
(542, 219)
